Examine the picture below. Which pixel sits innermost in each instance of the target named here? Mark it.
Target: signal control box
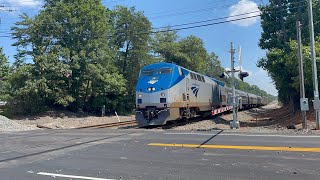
(316, 104)
(304, 105)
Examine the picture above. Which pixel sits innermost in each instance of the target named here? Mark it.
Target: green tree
(132, 39)
(165, 45)
(213, 66)
(166, 48)
(193, 48)
(188, 52)
(4, 65)
(4, 74)
(73, 59)
(278, 21)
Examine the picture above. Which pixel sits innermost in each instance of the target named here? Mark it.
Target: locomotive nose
(155, 99)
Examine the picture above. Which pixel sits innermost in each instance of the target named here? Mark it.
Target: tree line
(279, 36)
(80, 55)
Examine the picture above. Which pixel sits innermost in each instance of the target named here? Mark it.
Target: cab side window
(199, 77)
(193, 76)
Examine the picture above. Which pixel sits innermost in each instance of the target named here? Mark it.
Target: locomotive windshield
(164, 71)
(148, 72)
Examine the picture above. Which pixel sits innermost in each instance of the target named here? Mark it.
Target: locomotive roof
(161, 64)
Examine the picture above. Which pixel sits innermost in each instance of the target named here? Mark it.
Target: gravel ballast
(270, 119)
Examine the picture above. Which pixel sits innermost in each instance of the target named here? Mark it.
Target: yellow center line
(261, 148)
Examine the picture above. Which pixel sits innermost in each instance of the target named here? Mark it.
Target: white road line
(253, 135)
(70, 176)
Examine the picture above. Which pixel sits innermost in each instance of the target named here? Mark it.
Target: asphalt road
(100, 154)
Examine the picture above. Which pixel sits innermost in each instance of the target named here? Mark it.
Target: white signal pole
(235, 122)
(303, 100)
(316, 102)
(240, 58)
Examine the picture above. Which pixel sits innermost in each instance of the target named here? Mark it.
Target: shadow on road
(205, 142)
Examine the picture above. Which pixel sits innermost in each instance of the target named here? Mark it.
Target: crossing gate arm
(221, 110)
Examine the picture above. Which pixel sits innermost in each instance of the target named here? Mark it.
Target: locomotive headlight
(163, 94)
(149, 89)
(153, 89)
(139, 95)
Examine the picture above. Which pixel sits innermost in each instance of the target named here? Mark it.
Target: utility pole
(235, 122)
(316, 102)
(303, 100)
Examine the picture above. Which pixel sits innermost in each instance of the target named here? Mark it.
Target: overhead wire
(175, 14)
(41, 1)
(178, 29)
(198, 10)
(178, 24)
(17, 6)
(173, 10)
(209, 24)
(208, 20)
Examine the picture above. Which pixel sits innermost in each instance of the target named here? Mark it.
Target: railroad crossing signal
(243, 74)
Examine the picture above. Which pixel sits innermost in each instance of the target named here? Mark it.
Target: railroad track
(133, 122)
(176, 123)
(169, 125)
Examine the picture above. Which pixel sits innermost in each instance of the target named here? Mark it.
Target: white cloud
(15, 7)
(24, 3)
(248, 9)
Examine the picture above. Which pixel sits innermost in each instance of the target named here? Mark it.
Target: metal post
(256, 114)
(235, 122)
(103, 110)
(316, 103)
(301, 75)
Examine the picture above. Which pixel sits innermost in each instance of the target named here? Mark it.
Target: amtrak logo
(153, 80)
(195, 90)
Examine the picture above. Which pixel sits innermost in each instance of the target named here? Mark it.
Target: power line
(197, 26)
(197, 22)
(174, 14)
(15, 6)
(173, 10)
(184, 28)
(199, 10)
(216, 7)
(210, 24)
(41, 2)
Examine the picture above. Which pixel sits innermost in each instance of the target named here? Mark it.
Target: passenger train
(167, 92)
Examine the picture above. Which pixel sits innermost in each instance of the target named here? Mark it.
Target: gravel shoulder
(266, 119)
(64, 120)
(271, 118)
(9, 125)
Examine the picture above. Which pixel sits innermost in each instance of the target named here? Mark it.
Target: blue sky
(161, 13)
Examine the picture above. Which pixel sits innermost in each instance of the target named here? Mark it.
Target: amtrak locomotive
(167, 92)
